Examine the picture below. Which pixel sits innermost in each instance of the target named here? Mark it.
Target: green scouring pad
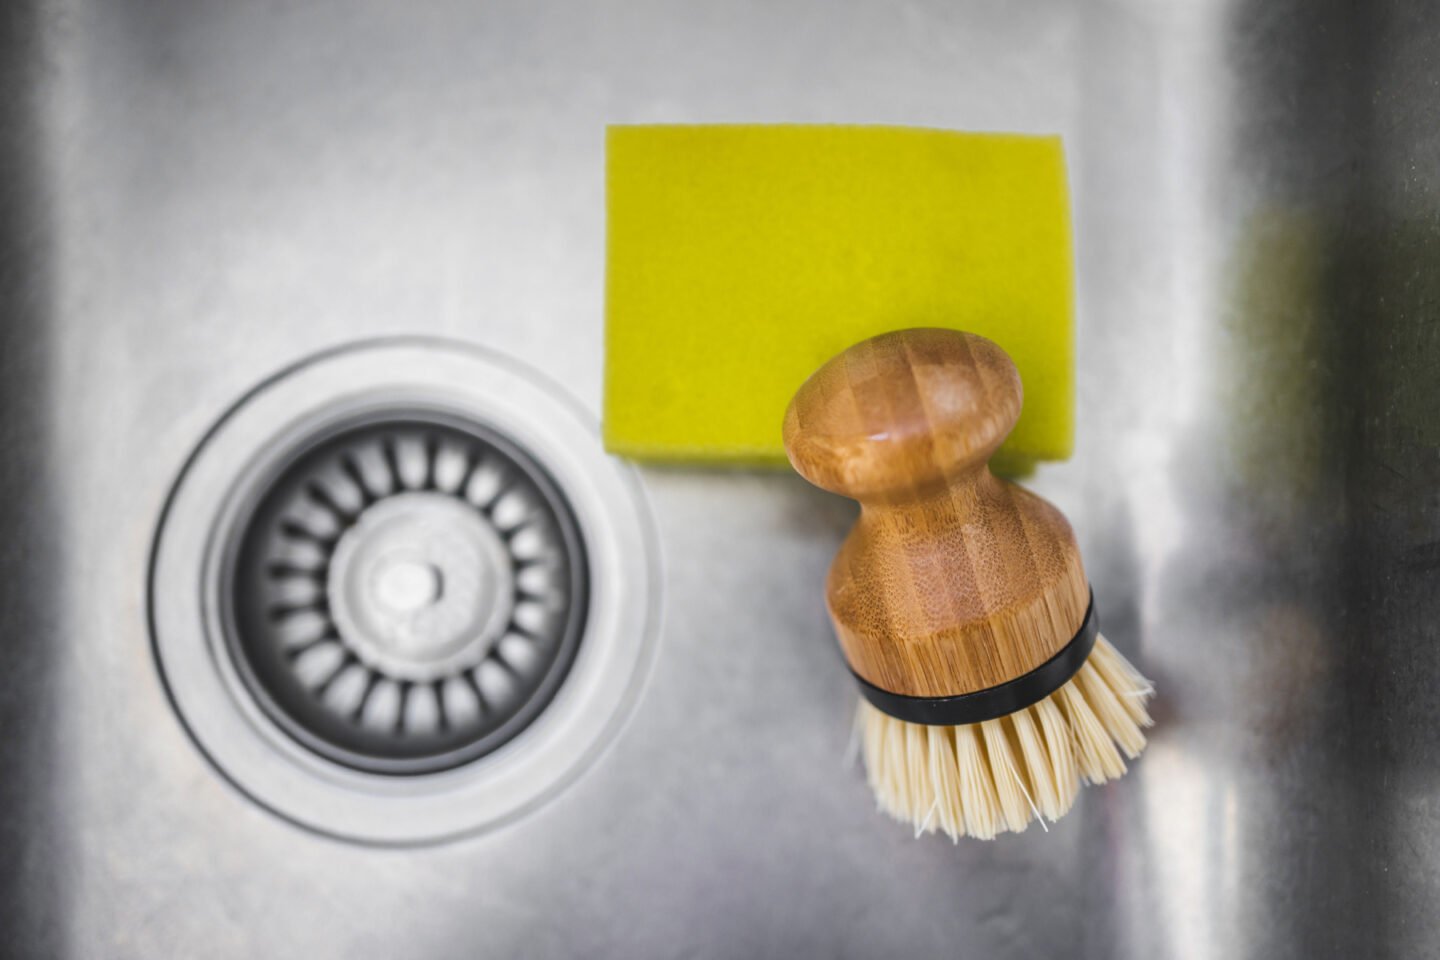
(740, 258)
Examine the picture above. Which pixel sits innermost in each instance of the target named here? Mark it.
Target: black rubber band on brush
(993, 702)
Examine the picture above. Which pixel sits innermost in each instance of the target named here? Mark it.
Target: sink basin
(198, 196)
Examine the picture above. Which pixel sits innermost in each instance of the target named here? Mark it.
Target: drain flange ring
(484, 552)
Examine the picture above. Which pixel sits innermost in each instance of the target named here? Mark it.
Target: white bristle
(921, 788)
(977, 786)
(1012, 794)
(1124, 680)
(984, 779)
(1107, 706)
(1030, 746)
(1099, 760)
(946, 777)
(1060, 754)
(898, 771)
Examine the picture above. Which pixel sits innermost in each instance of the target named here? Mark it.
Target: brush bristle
(983, 779)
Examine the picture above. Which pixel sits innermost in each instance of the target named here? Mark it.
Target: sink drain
(408, 593)
(400, 593)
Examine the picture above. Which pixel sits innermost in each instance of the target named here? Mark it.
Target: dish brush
(959, 599)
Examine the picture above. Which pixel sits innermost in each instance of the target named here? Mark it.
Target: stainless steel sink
(196, 196)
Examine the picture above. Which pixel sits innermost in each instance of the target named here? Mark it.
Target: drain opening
(370, 582)
(407, 593)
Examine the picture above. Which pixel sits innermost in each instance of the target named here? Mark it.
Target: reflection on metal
(196, 194)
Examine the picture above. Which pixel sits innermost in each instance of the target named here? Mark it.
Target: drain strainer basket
(408, 592)
(400, 593)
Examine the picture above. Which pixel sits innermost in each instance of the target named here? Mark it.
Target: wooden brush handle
(952, 580)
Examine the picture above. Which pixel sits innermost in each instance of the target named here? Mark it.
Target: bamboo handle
(952, 580)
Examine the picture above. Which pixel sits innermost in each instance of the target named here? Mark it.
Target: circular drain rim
(604, 680)
(257, 641)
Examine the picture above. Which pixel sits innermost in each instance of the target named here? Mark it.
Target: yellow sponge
(740, 258)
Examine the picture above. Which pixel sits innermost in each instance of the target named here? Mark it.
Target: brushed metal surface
(197, 194)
